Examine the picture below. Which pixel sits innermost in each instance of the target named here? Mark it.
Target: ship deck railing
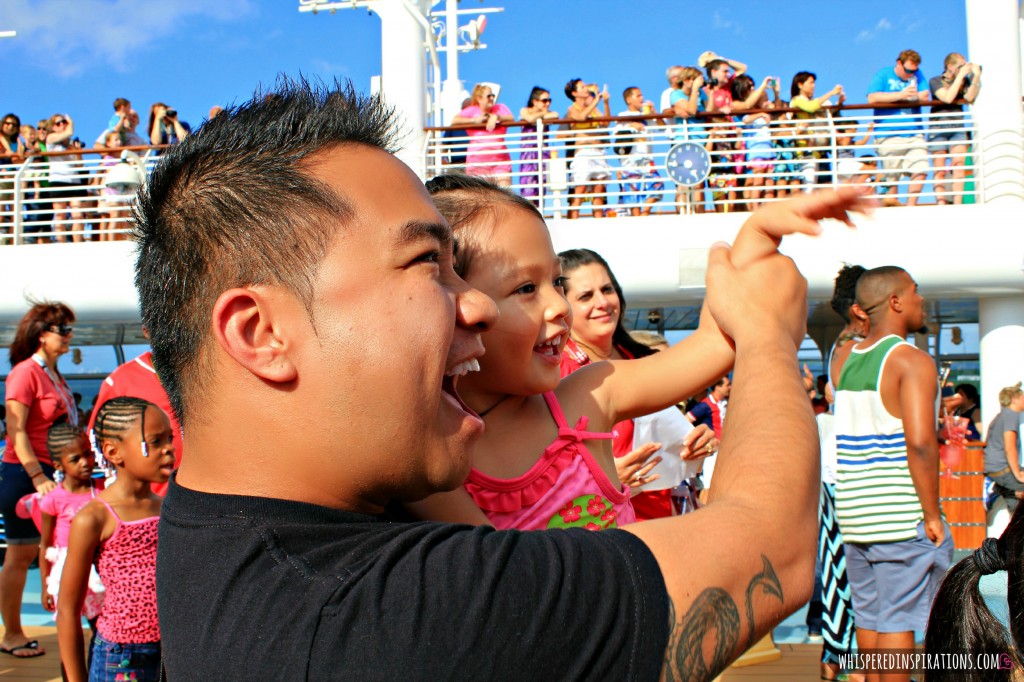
(808, 155)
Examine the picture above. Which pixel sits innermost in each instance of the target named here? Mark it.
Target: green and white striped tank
(875, 496)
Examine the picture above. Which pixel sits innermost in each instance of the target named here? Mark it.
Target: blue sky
(76, 56)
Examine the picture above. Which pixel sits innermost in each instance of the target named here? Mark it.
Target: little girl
(505, 251)
(74, 461)
(118, 531)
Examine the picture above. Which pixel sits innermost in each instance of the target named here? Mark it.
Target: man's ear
(249, 325)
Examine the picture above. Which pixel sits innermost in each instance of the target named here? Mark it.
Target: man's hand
(935, 530)
(768, 294)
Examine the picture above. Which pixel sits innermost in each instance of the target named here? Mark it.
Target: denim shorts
(893, 583)
(113, 662)
(14, 485)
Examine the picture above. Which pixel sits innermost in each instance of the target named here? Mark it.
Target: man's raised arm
(737, 567)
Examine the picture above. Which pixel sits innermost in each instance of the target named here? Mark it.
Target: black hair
(961, 623)
(799, 79)
(876, 285)
(570, 88)
(742, 86)
(844, 294)
(970, 391)
(461, 199)
(535, 94)
(117, 415)
(60, 435)
(575, 258)
(235, 204)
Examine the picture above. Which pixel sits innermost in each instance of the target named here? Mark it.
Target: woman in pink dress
(487, 154)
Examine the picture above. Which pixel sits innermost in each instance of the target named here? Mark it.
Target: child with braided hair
(74, 460)
(118, 532)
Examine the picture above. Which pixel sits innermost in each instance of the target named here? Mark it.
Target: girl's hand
(700, 442)
(43, 485)
(48, 602)
(761, 234)
(634, 469)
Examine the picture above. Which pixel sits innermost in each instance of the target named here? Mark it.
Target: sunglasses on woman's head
(61, 329)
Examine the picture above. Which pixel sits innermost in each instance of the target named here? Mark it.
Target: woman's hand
(634, 469)
(700, 442)
(492, 122)
(43, 484)
(48, 602)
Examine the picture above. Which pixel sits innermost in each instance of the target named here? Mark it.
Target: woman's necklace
(502, 399)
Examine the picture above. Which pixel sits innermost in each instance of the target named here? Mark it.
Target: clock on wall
(688, 164)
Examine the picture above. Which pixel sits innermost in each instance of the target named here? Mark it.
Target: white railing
(91, 209)
(595, 172)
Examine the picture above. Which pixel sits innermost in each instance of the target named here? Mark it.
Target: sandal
(32, 647)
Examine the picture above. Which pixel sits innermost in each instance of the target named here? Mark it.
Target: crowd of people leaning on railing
(60, 197)
(760, 145)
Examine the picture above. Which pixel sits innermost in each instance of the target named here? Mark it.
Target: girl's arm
(625, 389)
(45, 541)
(86, 533)
(454, 506)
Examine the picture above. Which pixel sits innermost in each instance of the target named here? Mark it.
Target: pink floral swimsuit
(565, 488)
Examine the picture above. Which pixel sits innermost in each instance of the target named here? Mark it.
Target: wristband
(37, 474)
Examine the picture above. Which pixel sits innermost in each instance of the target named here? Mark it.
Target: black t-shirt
(263, 589)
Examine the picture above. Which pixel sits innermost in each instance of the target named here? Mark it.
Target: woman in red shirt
(37, 397)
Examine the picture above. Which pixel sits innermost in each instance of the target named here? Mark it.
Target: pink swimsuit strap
(567, 434)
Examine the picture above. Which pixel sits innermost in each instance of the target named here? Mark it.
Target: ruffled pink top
(565, 488)
(126, 562)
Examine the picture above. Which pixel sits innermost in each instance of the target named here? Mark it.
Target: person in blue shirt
(899, 136)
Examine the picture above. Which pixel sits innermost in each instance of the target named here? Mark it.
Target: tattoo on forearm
(706, 639)
(767, 581)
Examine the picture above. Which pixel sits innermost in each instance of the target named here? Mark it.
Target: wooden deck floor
(799, 663)
(38, 669)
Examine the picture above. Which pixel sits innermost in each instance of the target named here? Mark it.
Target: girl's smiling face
(516, 265)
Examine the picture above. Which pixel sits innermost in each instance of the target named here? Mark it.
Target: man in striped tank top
(897, 544)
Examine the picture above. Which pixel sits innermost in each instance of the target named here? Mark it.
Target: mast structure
(413, 32)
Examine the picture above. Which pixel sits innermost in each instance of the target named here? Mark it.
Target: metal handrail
(31, 204)
(813, 143)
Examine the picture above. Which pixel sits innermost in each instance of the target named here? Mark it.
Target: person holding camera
(960, 81)
(164, 126)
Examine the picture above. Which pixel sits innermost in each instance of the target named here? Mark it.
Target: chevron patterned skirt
(837, 630)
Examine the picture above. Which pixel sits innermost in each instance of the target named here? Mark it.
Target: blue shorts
(638, 189)
(14, 485)
(112, 662)
(893, 583)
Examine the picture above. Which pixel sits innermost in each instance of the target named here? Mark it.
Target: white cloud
(870, 34)
(66, 37)
(722, 23)
(328, 68)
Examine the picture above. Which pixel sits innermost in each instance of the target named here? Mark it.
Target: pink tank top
(126, 562)
(565, 488)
